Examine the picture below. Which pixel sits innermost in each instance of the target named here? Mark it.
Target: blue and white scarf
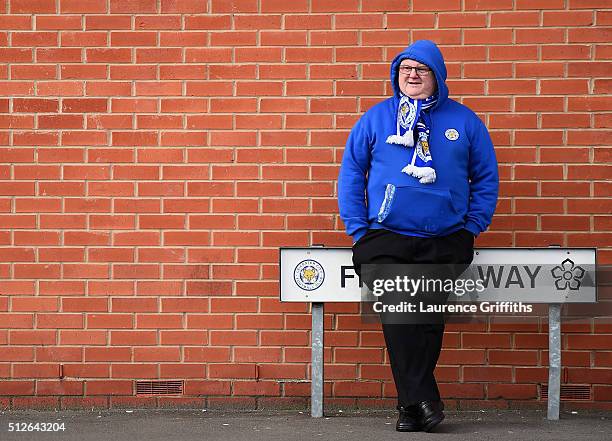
(409, 121)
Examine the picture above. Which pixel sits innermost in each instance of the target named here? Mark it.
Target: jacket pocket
(424, 210)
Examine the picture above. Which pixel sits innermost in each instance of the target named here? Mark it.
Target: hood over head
(426, 52)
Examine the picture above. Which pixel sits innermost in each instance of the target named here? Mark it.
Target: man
(418, 183)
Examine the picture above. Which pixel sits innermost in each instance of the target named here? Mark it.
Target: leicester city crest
(452, 134)
(423, 147)
(407, 114)
(309, 275)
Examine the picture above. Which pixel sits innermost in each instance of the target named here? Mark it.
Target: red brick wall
(156, 153)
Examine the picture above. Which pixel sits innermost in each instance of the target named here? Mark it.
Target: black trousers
(413, 348)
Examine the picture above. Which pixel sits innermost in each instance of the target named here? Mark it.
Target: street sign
(528, 275)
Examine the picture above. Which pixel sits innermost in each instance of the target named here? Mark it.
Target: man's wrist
(472, 228)
(359, 234)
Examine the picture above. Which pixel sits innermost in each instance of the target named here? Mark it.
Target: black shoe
(431, 414)
(409, 419)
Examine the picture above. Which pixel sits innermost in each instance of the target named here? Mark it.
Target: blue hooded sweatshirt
(464, 194)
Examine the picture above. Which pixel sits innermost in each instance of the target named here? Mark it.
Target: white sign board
(530, 275)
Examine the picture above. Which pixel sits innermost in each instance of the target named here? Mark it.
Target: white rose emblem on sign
(452, 134)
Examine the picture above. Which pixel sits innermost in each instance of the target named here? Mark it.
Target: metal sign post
(554, 360)
(316, 386)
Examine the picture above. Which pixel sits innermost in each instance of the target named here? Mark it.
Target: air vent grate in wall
(570, 392)
(159, 387)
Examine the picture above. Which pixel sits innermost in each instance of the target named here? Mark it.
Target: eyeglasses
(420, 71)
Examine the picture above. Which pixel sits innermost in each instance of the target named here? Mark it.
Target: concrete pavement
(188, 425)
